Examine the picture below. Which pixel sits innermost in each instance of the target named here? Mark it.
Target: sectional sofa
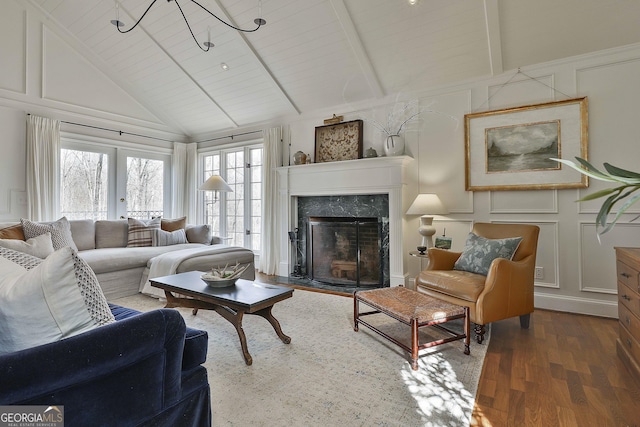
(123, 271)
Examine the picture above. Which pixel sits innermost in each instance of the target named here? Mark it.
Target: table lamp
(427, 204)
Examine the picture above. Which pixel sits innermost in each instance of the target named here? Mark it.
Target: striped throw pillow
(140, 232)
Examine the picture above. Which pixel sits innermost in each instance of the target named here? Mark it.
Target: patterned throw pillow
(167, 238)
(56, 298)
(60, 232)
(140, 232)
(479, 253)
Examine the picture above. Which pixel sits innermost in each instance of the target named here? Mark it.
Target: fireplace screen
(345, 251)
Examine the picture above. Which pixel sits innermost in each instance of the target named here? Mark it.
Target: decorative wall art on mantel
(512, 149)
(342, 141)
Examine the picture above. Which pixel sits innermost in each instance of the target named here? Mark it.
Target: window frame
(117, 152)
(222, 199)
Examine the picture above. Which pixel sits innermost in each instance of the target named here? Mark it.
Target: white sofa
(122, 271)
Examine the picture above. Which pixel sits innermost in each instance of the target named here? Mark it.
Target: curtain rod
(121, 132)
(229, 136)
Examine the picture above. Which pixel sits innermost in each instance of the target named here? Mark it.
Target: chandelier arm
(189, 27)
(258, 23)
(138, 21)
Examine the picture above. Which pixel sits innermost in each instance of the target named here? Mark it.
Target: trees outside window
(84, 184)
(98, 182)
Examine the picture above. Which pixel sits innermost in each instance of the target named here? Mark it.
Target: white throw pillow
(40, 246)
(43, 301)
(60, 232)
(167, 238)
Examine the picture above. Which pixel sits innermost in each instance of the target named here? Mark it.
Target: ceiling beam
(357, 47)
(492, 21)
(263, 67)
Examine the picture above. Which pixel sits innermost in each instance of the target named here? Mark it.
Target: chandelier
(208, 44)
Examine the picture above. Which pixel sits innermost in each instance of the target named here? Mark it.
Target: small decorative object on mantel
(398, 118)
(342, 141)
(333, 120)
(299, 158)
(371, 152)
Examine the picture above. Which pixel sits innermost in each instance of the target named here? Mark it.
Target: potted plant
(626, 184)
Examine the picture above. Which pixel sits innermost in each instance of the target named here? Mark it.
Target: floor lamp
(216, 184)
(427, 205)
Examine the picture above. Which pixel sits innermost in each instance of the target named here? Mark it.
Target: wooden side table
(415, 309)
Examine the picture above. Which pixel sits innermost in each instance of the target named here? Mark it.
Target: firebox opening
(345, 251)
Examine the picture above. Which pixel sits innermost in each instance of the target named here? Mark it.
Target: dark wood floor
(563, 371)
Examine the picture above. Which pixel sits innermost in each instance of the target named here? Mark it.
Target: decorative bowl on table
(218, 282)
(223, 277)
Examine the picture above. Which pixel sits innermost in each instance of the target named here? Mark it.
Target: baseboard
(578, 305)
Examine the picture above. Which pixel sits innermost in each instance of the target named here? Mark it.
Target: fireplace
(345, 251)
(343, 240)
(363, 188)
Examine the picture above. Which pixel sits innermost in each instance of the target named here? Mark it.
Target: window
(106, 183)
(236, 215)
(84, 187)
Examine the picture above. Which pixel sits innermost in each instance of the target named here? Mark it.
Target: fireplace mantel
(381, 175)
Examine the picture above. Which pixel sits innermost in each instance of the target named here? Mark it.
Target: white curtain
(269, 249)
(43, 160)
(184, 181)
(191, 183)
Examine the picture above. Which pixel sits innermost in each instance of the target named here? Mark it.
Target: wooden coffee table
(232, 303)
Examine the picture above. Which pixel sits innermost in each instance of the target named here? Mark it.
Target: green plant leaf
(595, 174)
(598, 194)
(614, 170)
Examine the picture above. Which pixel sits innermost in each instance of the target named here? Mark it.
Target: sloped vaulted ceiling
(314, 54)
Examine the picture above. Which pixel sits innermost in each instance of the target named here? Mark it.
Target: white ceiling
(314, 54)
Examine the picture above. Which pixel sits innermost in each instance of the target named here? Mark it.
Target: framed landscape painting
(511, 149)
(342, 141)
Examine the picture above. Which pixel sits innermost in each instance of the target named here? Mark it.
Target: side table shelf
(419, 255)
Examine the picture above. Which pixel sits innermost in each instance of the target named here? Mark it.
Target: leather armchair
(506, 291)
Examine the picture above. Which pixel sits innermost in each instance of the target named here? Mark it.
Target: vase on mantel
(394, 145)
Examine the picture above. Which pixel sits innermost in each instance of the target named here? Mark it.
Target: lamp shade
(215, 183)
(427, 203)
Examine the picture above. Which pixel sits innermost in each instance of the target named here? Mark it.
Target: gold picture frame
(342, 141)
(511, 149)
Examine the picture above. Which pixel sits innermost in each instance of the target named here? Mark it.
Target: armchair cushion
(479, 252)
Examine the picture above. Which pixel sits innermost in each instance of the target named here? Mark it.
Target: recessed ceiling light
(224, 66)
(413, 2)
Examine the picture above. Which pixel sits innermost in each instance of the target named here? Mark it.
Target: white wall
(579, 271)
(44, 72)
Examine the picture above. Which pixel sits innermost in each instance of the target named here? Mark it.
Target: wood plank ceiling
(314, 54)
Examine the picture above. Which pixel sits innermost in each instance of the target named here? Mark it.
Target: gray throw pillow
(167, 238)
(199, 234)
(479, 253)
(140, 232)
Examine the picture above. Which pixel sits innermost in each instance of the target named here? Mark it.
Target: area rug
(329, 375)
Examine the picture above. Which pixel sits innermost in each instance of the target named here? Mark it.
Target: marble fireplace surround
(381, 175)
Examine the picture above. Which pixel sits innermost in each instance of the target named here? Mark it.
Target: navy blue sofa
(145, 369)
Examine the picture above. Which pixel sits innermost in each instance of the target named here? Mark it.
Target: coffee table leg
(467, 331)
(414, 344)
(235, 318)
(266, 313)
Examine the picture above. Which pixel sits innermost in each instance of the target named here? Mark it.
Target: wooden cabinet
(628, 343)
